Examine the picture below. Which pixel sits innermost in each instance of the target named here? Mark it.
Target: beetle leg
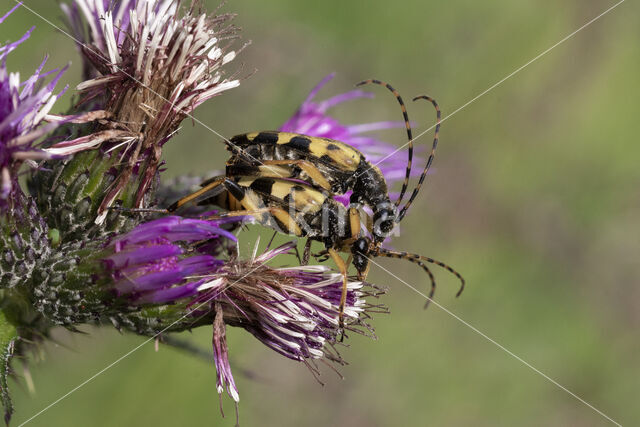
(354, 222)
(335, 256)
(307, 252)
(314, 173)
(271, 169)
(210, 185)
(244, 212)
(321, 256)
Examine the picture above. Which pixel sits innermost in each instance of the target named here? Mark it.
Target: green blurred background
(535, 200)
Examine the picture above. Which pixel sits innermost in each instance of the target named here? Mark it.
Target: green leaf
(8, 336)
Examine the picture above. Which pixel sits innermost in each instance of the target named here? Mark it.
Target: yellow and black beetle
(287, 181)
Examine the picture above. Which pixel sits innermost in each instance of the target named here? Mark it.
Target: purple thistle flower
(148, 65)
(154, 256)
(312, 119)
(292, 310)
(23, 107)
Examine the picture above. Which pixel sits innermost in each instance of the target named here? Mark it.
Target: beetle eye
(383, 222)
(387, 226)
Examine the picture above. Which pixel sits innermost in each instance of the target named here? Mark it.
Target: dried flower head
(23, 108)
(292, 310)
(149, 65)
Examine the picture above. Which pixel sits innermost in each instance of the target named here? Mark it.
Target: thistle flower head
(153, 262)
(149, 64)
(23, 107)
(292, 310)
(312, 119)
(150, 43)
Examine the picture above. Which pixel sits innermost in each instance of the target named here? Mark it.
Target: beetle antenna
(403, 212)
(405, 184)
(420, 260)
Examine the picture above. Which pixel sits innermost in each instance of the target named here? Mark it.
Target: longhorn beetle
(286, 181)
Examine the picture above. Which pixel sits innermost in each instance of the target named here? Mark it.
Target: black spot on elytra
(299, 143)
(332, 147)
(266, 138)
(262, 185)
